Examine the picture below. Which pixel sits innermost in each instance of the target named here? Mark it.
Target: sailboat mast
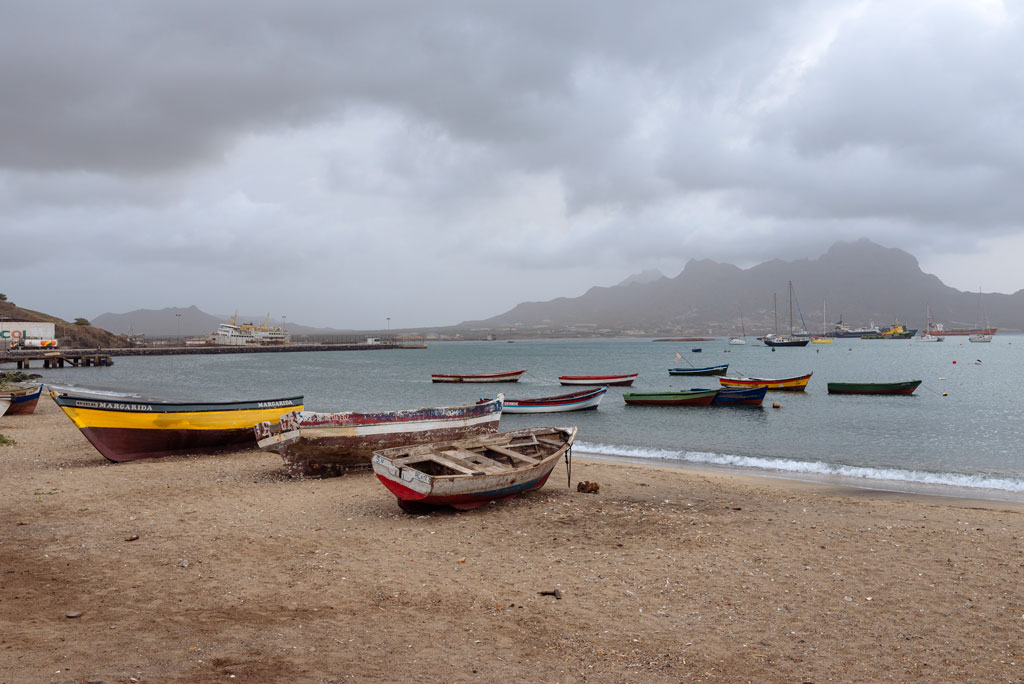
(791, 308)
(775, 307)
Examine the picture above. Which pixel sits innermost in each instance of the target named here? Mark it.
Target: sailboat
(785, 340)
(983, 336)
(927, 335)
(823, 338)
(740, 340)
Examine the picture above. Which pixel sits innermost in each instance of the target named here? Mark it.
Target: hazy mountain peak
(646, 276)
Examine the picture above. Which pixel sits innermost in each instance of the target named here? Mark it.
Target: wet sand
(220, 568)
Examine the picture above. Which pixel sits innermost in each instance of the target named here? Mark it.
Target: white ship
(248, 334)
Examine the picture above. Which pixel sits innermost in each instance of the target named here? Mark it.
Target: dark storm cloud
(254, 141)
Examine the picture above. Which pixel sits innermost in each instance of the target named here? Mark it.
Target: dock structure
(57, 359)
(53, 358)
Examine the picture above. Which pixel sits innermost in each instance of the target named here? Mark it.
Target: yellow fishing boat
(797, 384)
(127, 430)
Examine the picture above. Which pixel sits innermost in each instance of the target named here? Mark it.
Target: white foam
(820, 468)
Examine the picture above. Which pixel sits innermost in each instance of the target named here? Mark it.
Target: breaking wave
(809, 468)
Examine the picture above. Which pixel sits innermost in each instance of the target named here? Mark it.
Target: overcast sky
(339, 163)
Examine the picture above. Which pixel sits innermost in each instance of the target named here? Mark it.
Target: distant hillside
(861, 282)
(189, 322)
(69, 335)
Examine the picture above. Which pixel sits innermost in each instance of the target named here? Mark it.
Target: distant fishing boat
(466, 474)
(928, 337)
(576, 401)
(794, 384)
(907, 387)
(842, 330)
(706, 370)
(508, 376)
(700, 397)
(896, 331)
(128, 430)
(605, 380)
(738, 396)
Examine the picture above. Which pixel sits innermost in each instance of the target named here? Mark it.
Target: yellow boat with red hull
(129, 430)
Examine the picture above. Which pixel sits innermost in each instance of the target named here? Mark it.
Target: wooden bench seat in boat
(514, 455)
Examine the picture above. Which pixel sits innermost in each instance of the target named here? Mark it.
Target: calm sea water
(962, 427)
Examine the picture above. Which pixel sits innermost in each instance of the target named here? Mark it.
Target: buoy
(776, 404)
(954, 363)
(944, 394)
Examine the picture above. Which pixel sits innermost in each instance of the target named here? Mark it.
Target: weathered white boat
(467, 474)
(326, 444)
(576, 401)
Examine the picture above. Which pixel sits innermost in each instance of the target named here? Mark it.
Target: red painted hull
(464, 502)
(24, 404)
(131, 444)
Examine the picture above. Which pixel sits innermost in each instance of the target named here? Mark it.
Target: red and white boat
(576, 401)
(509, 376)
(325, 444)
(606, 380)
(467, 474)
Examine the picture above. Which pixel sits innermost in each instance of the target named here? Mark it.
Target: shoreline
(828, 480)
(192, 569)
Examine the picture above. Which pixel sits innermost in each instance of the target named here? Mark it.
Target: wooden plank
(466, 468)
(514, 454)
(453, 465)
(551, 442)
(473, 459)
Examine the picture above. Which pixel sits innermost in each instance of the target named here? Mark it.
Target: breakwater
(54, 358)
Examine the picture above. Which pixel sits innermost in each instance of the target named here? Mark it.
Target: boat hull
(594, 380)
(708, 370)
(132, 430)
(328, 444)
(796, 384)
(681, 398)
(23, 401)
(903, 388)
(510, 376)
(5, 403)
(942, 332)
(740, 396)
(786, 342)
(576, 401)
(403, 474)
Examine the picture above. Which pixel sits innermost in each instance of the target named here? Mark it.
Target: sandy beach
(220, 568)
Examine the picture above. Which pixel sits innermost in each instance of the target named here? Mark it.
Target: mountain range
(859, 282)
(190, 322)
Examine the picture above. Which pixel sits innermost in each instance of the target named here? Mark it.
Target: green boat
(907, 387)
(700, 397)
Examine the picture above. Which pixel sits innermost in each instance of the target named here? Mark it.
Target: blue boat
(706, 370)
(739, 396)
